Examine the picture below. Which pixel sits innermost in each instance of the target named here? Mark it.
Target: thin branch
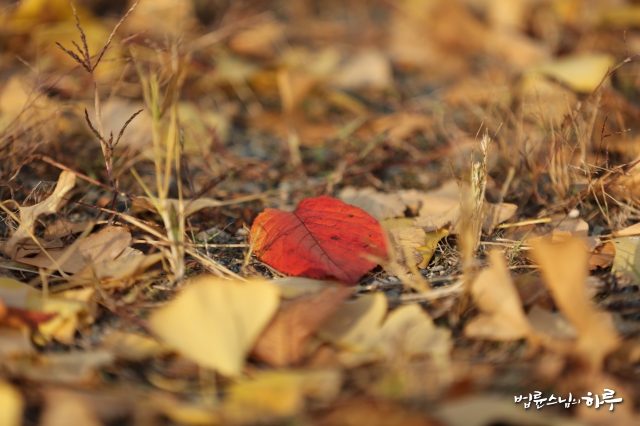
(125, 127)
(113, 33)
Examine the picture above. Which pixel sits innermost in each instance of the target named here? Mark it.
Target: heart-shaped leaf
(323, 238)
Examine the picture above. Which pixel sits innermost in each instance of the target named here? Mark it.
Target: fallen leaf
(502, 316)
(72, 368)
(63, 408)
(190, 206)
(12, 404)
(29, 215)
(629, 231)
(293, 287)
(378, 204)
(117, 273)
(355, 325)
(495, 214)
(275, 396)
(216, 322)
(550, 323)
(102, 246)
(565, 268)
(580, 73)
(15, 342)
(401, 125)
(366, 69)
(408, 242)
(409, 332)
(132, 346)
(627, 258)
(324, 237)
(71, 309)
(259, 41)
(283, 342)
(603, 256)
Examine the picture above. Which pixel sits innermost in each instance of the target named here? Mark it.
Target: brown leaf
(283, 342)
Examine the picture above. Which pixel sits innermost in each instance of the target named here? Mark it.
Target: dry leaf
(292, 287)
(565, 267)
(64, 408)
(15, 342)
(365, 69)
(102, 246)
(72, 308)
(120, 272)
(29, 215)
(275, 396)
(627, 258)
(216, 322)
(409, 332)
(132, 346)
(502, 316)
(283, 342)
(378, 204)
(355, 325)
(580, 73)
(73, 368)
(401, 125)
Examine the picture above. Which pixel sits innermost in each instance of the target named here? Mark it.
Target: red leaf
(323, 238)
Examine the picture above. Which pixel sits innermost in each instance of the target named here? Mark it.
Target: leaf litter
(465, 232)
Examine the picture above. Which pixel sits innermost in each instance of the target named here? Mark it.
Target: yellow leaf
(580, 73)
(565, 269)
(409, 331)
(431, 243)
(12, 404)
(502, 316)
(215, 322)
(627, 259)
(132, 346)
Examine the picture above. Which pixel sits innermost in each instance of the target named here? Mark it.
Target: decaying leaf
(565, 268)
(323, 238)
(216, 322)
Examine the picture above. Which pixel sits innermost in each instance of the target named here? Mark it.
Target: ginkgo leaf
(323, 238)
(502, 316)
(216, 322)
(565, 269)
